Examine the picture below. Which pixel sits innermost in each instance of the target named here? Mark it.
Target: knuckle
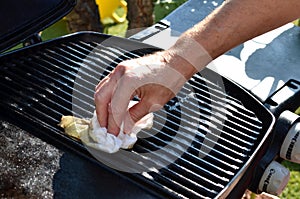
(153, 105)
(114, 111)
(98, 96)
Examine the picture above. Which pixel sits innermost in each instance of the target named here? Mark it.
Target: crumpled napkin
(97, 137)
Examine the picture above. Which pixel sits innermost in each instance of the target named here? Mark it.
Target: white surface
(291, 144)
(274, 179)
(98, 138)
(261, 65)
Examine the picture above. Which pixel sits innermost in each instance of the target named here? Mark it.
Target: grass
(293, 188)
(163, 7)
(116, 29)
(58, 29)
(297, 22)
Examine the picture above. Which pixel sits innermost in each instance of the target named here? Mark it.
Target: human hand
(154, 79)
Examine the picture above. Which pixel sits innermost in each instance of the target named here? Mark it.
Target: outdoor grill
(204, 143)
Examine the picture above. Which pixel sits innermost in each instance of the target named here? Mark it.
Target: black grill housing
(41, 83)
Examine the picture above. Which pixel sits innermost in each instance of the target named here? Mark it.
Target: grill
(201, 142)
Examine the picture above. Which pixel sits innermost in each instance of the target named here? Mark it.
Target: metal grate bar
(209, 132)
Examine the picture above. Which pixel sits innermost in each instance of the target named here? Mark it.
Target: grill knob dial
(290, 149)
(274, 179)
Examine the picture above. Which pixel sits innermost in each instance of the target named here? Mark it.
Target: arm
(231, 24)
(158, 77)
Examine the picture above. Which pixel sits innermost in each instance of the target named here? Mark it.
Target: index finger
(102, 98)
(103, 94)
(119, 104)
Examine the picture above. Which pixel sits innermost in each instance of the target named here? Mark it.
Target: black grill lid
(20, 19)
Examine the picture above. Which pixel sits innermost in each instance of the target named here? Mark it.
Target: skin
(156, 78)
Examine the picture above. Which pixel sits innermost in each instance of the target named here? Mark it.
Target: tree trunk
(84, 16)
(140, 14)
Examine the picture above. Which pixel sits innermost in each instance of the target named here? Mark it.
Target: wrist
(177, 62)
(188, 56)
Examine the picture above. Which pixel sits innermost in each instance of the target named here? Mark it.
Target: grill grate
(205, 136)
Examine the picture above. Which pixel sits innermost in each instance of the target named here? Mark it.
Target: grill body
(202, 141)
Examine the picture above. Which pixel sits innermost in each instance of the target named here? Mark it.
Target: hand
(153, 79)
(157, 78)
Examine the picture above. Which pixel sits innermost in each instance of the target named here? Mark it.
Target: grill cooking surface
(200, 143)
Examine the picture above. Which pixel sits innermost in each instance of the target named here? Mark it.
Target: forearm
(153, 78)
(233, 23)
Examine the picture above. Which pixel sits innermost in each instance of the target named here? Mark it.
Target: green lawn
(56, 30)
(163, 7)
(293, 188)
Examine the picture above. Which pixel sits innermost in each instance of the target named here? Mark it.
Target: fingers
(115, 118)
(102, 99)
(103, 95)
(154, 83)
(134, 114)
(119, 105)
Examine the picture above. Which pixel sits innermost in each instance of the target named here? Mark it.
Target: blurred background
(113, 17)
